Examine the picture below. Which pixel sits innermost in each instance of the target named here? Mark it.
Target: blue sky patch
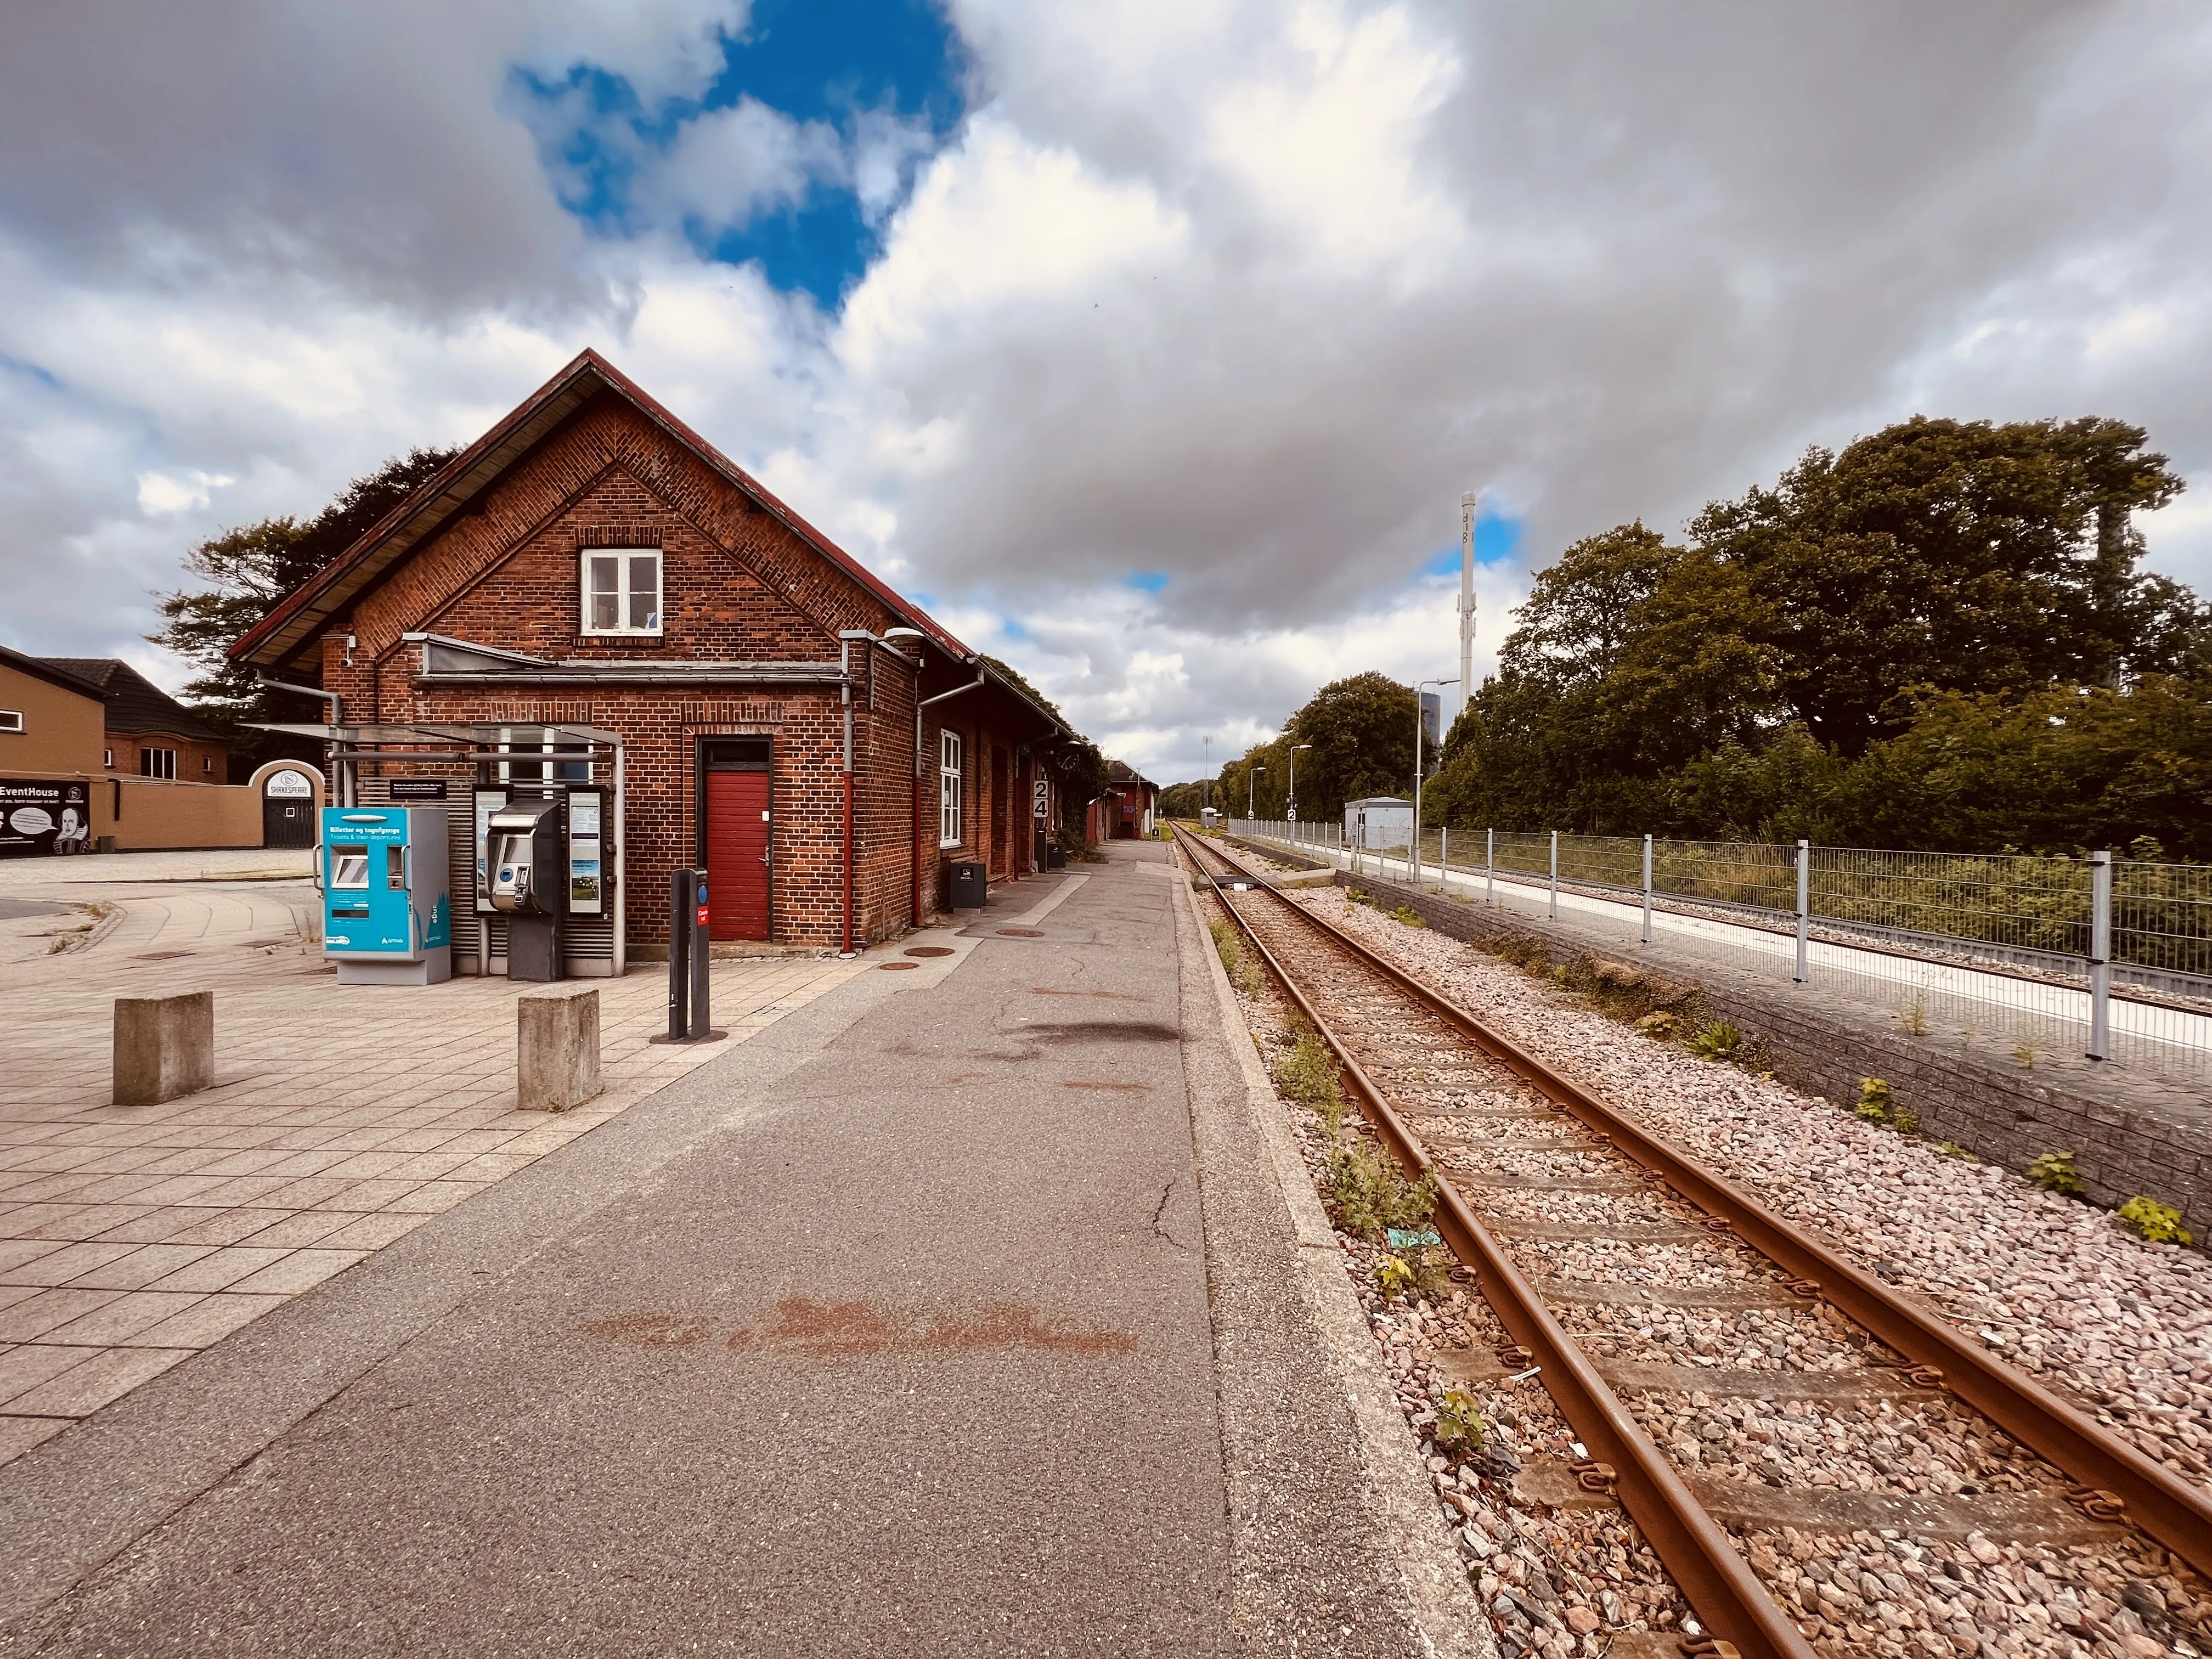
(1149, 581)
(21, 366)
(1495, 539)
(812, 60)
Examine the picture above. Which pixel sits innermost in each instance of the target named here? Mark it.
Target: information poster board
(487, 801)
(38, 817)
(587, 887)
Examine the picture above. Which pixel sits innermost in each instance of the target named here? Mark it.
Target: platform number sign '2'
(1042, 798)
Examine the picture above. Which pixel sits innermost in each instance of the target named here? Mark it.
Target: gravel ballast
(1561, 1574)
(2056, 1287)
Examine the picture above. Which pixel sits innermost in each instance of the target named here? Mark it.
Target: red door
(737, 854)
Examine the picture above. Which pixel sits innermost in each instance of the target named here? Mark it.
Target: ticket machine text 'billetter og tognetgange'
(387, 910)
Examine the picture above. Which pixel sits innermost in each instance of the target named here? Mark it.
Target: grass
(1307, 1073)
(1368, 1196)
(1719, 1041)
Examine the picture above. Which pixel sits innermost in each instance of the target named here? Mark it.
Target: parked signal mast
(1465, 596)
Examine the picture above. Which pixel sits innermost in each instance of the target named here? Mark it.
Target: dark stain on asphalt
(1100, 1030)
(1107, 996)
(829, 1330)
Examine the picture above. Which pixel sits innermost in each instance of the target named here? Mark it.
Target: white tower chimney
(1466, 597)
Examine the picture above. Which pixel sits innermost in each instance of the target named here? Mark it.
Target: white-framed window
(948, 789)
(157, 762)
(11, 720)
(621, 589)
(207, 763)
(107, 758)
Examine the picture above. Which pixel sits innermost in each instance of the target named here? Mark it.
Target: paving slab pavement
(947, 1315)
(343, 1116)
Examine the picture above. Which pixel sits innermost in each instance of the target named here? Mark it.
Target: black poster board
(40, 818)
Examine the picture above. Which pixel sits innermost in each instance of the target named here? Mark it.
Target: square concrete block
(556, 1048)
(164, 1047)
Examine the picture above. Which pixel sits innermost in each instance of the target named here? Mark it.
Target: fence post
(2100, 955)
(1804, 911)
(1490, 866)
(1444, 860)
(1553, 911)
(1647, 890)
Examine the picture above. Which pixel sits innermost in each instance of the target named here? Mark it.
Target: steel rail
(2115, 1479)
(1702, 1559)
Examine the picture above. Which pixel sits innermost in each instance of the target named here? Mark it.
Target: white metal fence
(2031, 957)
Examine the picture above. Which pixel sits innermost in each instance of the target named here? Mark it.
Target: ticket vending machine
(387, 914)
(526, 867)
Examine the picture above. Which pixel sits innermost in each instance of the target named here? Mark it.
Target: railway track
(1588, 1236)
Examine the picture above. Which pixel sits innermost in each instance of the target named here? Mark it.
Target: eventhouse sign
(38, 817)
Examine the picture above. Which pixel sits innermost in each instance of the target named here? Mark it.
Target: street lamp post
(1294, 783)
(1251, 783)
(1206, 784)
(1419, 732)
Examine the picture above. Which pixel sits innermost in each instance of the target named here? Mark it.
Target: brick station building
(592, 563)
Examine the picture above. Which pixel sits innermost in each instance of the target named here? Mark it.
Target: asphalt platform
(969, 1309)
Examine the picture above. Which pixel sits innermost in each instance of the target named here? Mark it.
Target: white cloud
(1328, 144)
(1000, 231)
(1242, 293)
(166, 493)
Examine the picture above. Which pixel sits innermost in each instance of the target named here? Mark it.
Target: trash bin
(970, 886)
(1055, 857)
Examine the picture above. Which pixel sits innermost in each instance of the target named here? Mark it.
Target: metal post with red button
(702, 1028)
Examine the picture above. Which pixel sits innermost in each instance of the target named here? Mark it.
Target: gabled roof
(303, 613)
(1121, 772)
(135, 703)
(49, 669)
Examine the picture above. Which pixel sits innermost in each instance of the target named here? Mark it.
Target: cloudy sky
(1150, 342)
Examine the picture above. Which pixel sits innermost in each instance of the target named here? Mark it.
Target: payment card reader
(527, 872)
(388, 905)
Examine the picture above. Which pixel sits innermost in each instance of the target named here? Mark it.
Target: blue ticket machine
(388, 905)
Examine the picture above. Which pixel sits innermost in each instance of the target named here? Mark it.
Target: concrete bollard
(557, 1035)
(164, 1047)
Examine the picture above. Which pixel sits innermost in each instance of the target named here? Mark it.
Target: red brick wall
(737, 585)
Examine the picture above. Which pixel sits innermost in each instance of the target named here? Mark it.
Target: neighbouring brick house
(149, 734)
(592, 563)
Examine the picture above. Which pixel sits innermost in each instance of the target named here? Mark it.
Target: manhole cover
(930, 950)
(1021, 933)
(159, 955)
(891, 967)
